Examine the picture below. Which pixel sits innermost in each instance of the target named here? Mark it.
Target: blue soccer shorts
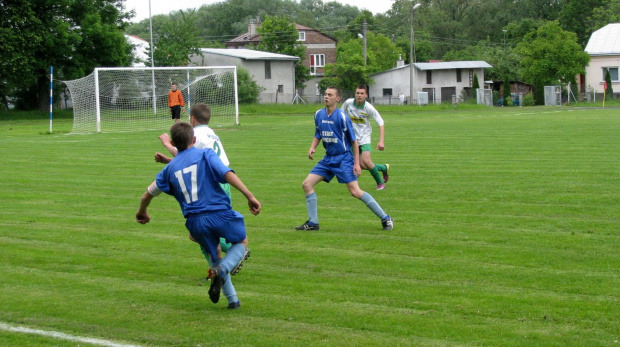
(207, 228)
(340, 166)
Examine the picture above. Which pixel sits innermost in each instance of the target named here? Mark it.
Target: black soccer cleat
(307, 226)
(388, 223)
(234, 305)
(215, 274)
(237, 267)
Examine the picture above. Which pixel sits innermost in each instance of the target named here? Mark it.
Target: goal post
(135, 99)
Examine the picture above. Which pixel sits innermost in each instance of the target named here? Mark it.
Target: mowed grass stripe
(506, 234)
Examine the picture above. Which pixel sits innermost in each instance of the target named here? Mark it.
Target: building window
(387, 91)
(458, 75)
(302, 36)
(429, 77)
(316, 61)
(613, 73)
(267, 70)
(280, 88)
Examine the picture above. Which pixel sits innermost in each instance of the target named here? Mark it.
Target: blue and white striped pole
(51, 94)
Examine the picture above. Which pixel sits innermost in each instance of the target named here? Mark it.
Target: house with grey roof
(440, 80)
(320, 51)
(604, 50)
(274, 72)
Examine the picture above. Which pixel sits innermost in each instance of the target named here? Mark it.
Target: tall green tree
(71, 35)
(550, 55)
(609, 93)
(576, 15)
(279, 35)
(608, 12)
(349, 70)
(176, 41)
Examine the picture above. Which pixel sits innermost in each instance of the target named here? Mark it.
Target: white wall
(594, 72)
(399, 80)
(282, 73)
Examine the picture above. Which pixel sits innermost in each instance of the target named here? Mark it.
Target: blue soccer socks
(373, 205)
(311, 203)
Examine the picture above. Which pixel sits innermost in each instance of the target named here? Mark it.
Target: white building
(441, 80)
(604, 50)
(272, 71)
(140, 50)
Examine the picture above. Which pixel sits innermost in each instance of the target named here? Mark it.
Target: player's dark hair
(201, 112)
(182, 135)
(336, 89)
(362, 86)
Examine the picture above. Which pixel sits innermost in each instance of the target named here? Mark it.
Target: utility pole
(411, 57)
(364, 33)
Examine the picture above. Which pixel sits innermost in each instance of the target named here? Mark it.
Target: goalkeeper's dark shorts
(176, 112)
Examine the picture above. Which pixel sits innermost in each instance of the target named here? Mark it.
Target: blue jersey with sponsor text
(335, 131)
(193, 177)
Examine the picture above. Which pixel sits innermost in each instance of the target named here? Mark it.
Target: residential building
(604, 50)
(320, 50)
(139, 51)
(441, 80)
(274, 72)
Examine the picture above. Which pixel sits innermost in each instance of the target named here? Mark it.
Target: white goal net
(135, 99)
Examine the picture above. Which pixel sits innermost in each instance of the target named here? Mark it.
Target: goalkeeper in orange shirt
(175, 102)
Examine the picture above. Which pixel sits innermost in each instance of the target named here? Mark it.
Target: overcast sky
(166, 6)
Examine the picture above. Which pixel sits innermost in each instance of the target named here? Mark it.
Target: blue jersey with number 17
(193, 177)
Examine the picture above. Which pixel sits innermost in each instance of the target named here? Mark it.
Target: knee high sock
(311, 203)
(233, 257)
(227, 288)
(381, 167)
(373, 205)
(375, 174)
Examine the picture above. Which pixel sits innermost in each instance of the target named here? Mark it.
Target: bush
(528, 100)
(247, 88)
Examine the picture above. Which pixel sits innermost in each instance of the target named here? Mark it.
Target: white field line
(62, 336)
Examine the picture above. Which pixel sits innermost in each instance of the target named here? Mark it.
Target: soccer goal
(134, 99)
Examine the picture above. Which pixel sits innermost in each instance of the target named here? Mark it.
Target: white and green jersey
(360, 117)
(206, 138)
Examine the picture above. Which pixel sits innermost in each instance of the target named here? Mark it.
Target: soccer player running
(200, 116)
(334, 129)
(175, 102)
(360, 111)
(193, 177)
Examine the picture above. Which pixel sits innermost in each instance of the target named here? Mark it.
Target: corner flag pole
(604, 93)
(51, 94)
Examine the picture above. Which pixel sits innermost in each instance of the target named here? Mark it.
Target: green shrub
(528, 100)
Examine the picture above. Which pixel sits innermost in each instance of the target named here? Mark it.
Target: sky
(166, 6)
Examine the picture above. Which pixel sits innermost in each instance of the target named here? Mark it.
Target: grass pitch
(507, 232)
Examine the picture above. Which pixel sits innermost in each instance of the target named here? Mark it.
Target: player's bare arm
(165, 140)
(236, 182)
(315, 143)
(142, 216)
(380, 144)
(357, 169)
(162, 158)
